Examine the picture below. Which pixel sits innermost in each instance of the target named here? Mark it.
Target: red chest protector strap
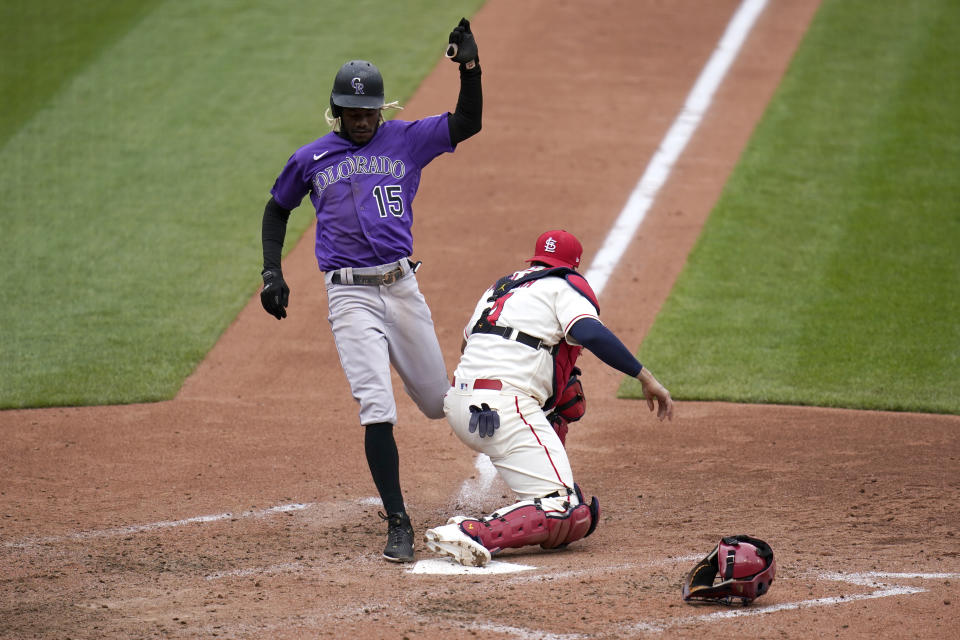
(573, 278)
(565, 356)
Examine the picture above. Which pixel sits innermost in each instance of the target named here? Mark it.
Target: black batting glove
(462, 47)
(484, 419)
(275, 294)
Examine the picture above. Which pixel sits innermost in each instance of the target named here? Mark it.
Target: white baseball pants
(525, 449)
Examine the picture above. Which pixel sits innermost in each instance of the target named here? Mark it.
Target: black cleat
(399, 537)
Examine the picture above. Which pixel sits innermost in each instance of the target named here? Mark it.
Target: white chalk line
(658, 170)
(660, 626)
(142, 528)
(153, 526)
(602, 266)
(523, 634)
(870, 578)
(672, 146)
(285, 567)
(446, 566)
(860, 579)
(592, 571)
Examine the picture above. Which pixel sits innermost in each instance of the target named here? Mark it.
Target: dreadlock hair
(334, 122)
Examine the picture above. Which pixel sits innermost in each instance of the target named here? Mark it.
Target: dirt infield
(243, 508)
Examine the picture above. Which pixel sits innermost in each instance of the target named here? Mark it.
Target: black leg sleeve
(384, 461)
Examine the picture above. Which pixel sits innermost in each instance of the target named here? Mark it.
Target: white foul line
(870, 578)
(672, 145)
(139, 528)
(759, 611)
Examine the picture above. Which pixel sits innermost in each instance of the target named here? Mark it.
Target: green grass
(829, 271)
(138, 141)
(138, 144)
(44, 43)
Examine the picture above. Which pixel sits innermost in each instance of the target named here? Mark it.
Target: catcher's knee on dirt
(526, 523)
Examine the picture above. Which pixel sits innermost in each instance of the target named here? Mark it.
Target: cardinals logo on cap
(557, 248)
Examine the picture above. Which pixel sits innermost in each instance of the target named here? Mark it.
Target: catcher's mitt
(570, 406)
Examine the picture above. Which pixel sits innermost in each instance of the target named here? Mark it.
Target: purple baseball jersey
(363, 194)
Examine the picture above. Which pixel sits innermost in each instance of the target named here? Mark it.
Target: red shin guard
(528, 524)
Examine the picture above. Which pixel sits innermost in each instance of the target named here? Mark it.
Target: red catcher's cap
(557, 248)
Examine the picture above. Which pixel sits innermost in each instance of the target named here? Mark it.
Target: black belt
(373, 280)
(521, 337)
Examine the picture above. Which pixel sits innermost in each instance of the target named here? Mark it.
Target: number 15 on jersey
(389, 200)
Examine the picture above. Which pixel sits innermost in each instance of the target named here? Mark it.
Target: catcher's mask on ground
(557, 248)
(746, 570)
(357, 84)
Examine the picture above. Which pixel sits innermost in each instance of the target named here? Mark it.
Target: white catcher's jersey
(545, 308)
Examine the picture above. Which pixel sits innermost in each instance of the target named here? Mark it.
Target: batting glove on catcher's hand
(275, 293)
(484, 419)
(462, 47)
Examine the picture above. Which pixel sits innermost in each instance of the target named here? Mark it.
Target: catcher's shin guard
(526, 523)
(575, 523)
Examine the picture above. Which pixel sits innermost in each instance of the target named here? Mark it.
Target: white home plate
(450, 567)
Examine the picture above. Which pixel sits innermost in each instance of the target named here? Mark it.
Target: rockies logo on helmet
(358, 84)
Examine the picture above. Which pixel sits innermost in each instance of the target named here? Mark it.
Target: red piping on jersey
(566, 329)
(516, 402)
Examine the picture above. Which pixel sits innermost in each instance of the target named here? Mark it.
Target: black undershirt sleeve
(273, 232)
(467, 119)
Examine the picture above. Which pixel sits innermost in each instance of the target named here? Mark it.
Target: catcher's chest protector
(565, 358)
(564, 362)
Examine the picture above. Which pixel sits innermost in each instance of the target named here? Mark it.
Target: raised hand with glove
(462, 47)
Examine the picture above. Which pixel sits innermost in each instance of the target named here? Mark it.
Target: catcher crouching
(514, 393)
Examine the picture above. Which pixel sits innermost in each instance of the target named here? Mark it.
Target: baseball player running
(520, 348)
(362, 178)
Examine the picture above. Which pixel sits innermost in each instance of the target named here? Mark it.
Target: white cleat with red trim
(450, 540)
